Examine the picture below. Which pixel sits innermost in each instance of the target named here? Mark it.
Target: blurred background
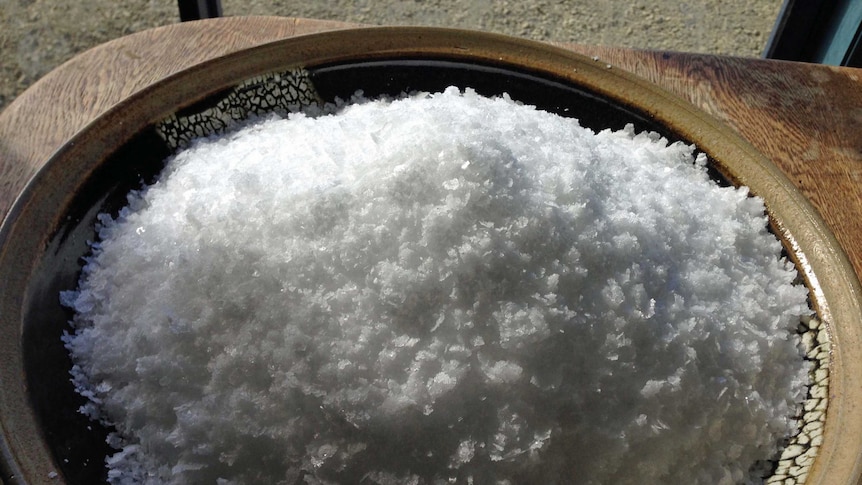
(38, 35)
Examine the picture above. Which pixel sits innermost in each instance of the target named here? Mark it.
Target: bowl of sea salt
(420, 256)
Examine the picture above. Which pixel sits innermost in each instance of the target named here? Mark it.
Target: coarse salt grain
(439, 287)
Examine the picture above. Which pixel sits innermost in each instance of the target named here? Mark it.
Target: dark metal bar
(822, 31)
(853, 57)
(199, 9)
(799, 30)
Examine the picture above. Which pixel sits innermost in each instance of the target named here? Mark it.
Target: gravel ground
(38, 35)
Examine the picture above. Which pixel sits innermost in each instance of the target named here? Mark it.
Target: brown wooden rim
(836, 292)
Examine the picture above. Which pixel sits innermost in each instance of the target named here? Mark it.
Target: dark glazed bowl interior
(47, 239)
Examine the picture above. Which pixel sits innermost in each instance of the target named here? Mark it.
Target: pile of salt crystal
(443, 287)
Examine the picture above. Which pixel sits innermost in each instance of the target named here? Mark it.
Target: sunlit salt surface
(440, 289)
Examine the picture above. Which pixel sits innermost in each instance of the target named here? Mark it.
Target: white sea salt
(443, 287)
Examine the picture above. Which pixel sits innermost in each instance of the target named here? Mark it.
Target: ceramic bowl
(45, 439)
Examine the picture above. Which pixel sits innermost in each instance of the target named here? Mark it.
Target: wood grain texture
(806, 118)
